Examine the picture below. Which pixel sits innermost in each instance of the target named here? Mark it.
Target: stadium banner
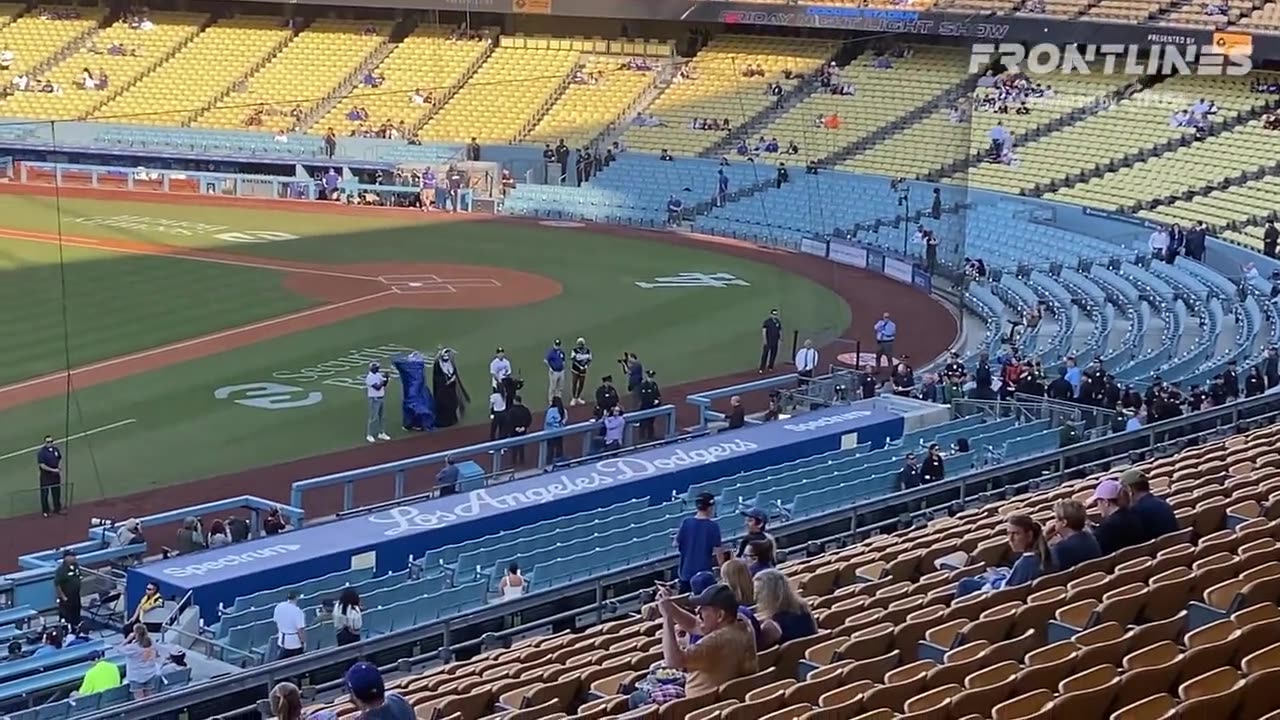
(533, 7)
(388, 538)
(848, 254)
(897, 269)
(875, 260)
(812, 246)
(922, 279)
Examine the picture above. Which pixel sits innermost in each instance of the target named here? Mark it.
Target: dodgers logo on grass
(606, 472)
(268, 395)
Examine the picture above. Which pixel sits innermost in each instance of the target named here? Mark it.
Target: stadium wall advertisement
(1012, 28)
(385, 540)
(901, 269)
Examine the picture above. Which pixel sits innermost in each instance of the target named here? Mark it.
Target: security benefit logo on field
(694, 280)
(291, 389)
(185, 228)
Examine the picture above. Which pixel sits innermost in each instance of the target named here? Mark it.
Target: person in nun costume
(450, 394)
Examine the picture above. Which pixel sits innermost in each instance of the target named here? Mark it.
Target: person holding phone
(375, 383)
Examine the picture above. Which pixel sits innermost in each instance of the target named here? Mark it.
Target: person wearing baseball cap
(375, 384)
(555, 371)
(369, 693)
(1155, 514)
(1120, 527)
(755, 522)
(698, 540)
(726, 650)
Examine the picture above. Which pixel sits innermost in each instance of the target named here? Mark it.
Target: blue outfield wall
(387, 539)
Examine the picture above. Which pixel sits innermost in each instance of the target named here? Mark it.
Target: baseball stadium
(590, 359)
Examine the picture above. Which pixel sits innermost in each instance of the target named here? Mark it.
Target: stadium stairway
(398, 33)
(758, 124)
(38, 43)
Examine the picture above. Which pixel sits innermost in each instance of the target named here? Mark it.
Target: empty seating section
(882, 96)
(632, 191)
(1130, 129)
(1185, 625)
(1250, 235)
(513, 87)
(1266, 17)
(1249, 202)
(307, 71)
(10, 12)
(716, 88)
(1170, 175)
(585, 110)
(201, 74)
(42, 32)
(1057, 8)
(1133, 11)
(936, 140)
(428, 60)
(1194, 14)
(140, 52)
(995, 6)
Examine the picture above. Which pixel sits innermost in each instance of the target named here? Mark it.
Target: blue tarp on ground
(386, 539)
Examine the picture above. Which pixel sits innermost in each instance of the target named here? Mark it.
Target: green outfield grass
(171, 427)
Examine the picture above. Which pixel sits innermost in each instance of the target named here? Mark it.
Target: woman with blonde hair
(738, 577)
(142, 662)
(784, 615)
(286, 704)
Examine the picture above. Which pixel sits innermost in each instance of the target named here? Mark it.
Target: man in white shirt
(499, 367)
(375, 383)
(6, 59)
(291, 627)
(806, 362)
(1158, 242)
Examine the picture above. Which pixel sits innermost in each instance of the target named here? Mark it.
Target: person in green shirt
(102, 676)
(66, 587)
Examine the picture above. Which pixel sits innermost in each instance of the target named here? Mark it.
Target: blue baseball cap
(365, 683)
(701, 581)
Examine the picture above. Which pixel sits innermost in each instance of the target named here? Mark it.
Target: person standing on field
(579, 362)
(375, 383)
(555, 371)
(49, 460)
(770, 336)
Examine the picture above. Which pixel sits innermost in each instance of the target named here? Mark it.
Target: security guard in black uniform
(650, 397)
(606, 396)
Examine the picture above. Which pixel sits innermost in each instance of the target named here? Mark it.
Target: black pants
(806, 376)
(646, 430)
(555, 450)
(768, 355)
(498, 425)
(69, 611)
(286, 653)
(578, 385)
(346, 637)
(51, 498)
(517, 452)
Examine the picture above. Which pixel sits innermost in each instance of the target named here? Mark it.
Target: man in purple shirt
(614, 425)
(555, 371)
(330, 182)
(427, 194)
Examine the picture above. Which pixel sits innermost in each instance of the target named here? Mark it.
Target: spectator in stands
(1254, 383)
(50, 642)
(347, 617)
(1195, 244)
(759, 556)
(218, 534)
(909, 475)
(1270, 239)
(369, 693)
(151, 599)
(142, 662)
(1120, 527)
(903, 379)
(1027, 541)
(238, 528)
(512, 585)
(932, 470)
(666, 156)
(1069, 538)
(783, 615)
(1136, 420)
(291, 627)
(79, 636)
(698, 540)
(737, 415)
(725, 651)
(14, 651)
(190, 536)
(286, 704)
(102, 676)
(782, 177)
(274, 523)
(674, 207)
(755, 522)
(1156, 515)
(6, 59)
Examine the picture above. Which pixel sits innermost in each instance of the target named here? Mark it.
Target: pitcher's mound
(425, 286)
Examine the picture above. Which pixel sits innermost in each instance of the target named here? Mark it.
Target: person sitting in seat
(1070, 541)
(783, 615)
(1120, 527)
(1026, 540)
